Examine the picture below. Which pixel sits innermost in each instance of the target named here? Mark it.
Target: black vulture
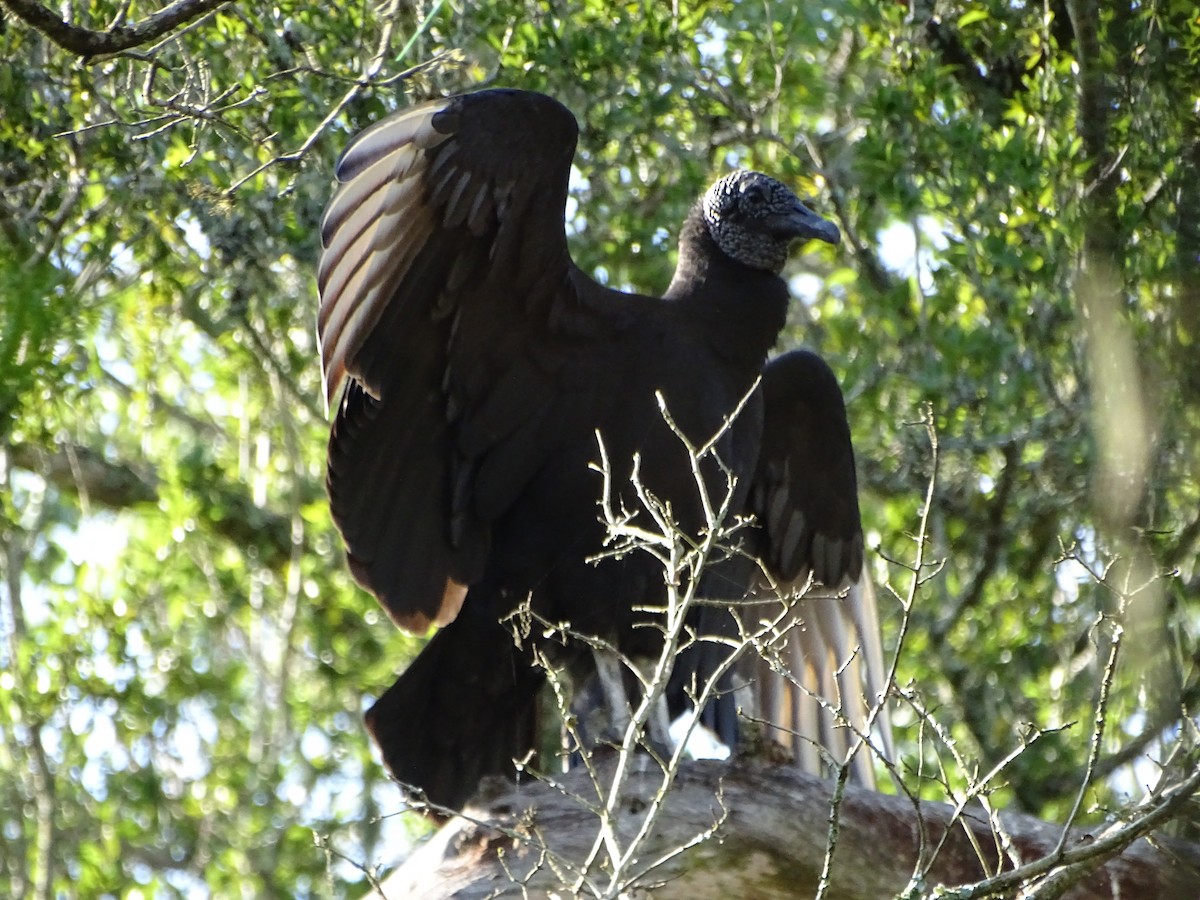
(476, 365)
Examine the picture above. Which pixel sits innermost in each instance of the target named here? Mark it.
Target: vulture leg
(612, 685)
(660, 723)
(615, 696)
(658, 728)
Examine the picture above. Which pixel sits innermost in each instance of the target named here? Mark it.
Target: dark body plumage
(478, 363)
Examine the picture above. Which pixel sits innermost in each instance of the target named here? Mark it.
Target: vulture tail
(466, 708)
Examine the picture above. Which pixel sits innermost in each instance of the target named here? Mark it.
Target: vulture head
(753, 219)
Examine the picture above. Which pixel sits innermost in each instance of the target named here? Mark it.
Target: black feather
(492, 361)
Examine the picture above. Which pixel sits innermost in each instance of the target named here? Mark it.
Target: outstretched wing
(805, 492)
(805, 498)
(449, 303)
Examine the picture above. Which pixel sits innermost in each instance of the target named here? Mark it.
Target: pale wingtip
(333, 377)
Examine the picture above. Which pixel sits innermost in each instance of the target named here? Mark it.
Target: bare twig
(367, 79)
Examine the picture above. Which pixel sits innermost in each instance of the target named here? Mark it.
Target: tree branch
(772, 843)
(88, 43)
(82, 471)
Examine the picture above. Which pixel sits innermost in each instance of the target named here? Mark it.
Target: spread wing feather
(805, 492)
(444, 276)
(805, 498)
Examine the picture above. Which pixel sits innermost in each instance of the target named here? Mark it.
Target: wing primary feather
(361, 194)
(359, 205)
(456, 210)
(441, 163)
(370, 239)
(440, 191)
(376, 360)
(384, 247)
(500, 197)
(356, 305)
(414, 126)
(465, 265)
(777, 512)
(819, 558)
(790, 549)
(480, 213)
(855, 566)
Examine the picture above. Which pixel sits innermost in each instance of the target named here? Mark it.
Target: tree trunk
(769, 830)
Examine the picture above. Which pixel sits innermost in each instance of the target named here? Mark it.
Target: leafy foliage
(184, 655)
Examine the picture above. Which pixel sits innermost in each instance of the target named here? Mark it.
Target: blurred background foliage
(184, 658)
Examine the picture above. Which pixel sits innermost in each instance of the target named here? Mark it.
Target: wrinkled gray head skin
(753, 218)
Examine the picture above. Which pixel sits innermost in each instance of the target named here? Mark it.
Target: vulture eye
(755, 195)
